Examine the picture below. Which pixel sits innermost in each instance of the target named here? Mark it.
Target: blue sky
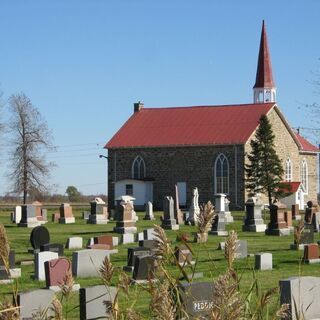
(84, 64)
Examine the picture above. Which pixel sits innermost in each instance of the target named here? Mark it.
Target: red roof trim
(305, 144)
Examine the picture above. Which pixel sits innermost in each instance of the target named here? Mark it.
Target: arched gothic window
(221, 169)
(288, 170)
(304, 174)
(138, 168)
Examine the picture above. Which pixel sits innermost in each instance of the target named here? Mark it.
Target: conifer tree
(264, 170)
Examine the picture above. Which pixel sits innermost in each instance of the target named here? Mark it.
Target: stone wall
(169, 165)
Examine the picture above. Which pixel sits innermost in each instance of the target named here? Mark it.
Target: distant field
(210, 261)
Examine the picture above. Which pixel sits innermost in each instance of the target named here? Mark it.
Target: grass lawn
(210, 261)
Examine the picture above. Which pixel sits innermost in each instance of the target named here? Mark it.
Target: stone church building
(205, 147)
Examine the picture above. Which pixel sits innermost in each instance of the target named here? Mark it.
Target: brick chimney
(138, 106)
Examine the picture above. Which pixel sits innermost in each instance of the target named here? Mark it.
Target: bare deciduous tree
(29, 137)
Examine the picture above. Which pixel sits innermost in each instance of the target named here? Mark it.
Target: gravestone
(295, 212)
(169, 221)
(5, 276)
(277, 226)
(33, 302)
(183, 255)
(126, 222)
(66, 215)
(311, 253)
(288, 219)
(151, 244)
(39, 236)
(220, 207)
(39, 259)
(177, 212)
(306, 237)
(53, 247)
(302, 293)
(263, 261)
(98, 212)
(94, 302)
(196, 298)
(86, 215)
(149, 212)
(123, 200)
(55, 217)
(149, 234)
(105, 239)
(308, 212)
(86, 263)
(219, 225)
(133, 253)
(17, 214)
(253, 219)
(28, 216)
(144, 268)
(194, 210)
(127, 238)
(139, 236)
(241, 249)
(74, 243)
(56, 271)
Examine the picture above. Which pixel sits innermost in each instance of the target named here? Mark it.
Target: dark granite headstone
(56, 271)
(53, 247)
(150, 244)
(196, 298)
(307, 235)
(3, 272)
(133, 253)
(39, 236)
(144, 268)
(308, 212)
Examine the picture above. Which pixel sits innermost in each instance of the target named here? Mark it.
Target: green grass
(210, 261)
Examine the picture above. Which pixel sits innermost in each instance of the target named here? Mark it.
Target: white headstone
(127, 238)
(74, 243)
(17, 214)
(219, 202)
(263, 261)
(115, 241)
(39, 259)
(149, 234)
(149, 211)
(194, 210)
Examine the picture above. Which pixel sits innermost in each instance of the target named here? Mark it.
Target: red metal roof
(306, 145)
(203, 125)
(291, 186)
(264, 78)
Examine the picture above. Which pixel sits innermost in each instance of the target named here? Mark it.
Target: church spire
(264, 89)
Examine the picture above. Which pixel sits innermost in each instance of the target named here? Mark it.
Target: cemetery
(41, 257)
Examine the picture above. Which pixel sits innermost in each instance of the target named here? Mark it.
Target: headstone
(86, 215)
(149, 211)
(311, 253)
(39, 236)
(115, 241)
(253, 220)
(241, 249)
(123, 200)
(56, 271)
(183, 255)
(149, 234)
(127, 238)
(4, 274)
(177, 212)
(132, 254)
(55, 217)
(74, 243)
(295, 212)
(105, 239)
(196, 298)
(151, 244)
(39, 259)
(308, 213)
(100, 246)
(277, 226)
(28, 216)
(44, 214)
(98, 212)
(33, 302)
(288, 218)
(53, 247)
(139, 236)
(17, 214)
(96, 302)
(219, 225)
(316, 221)
(169, 221)
(126, 222)
(86, 263)
(194, 210)
(263, 261)
(307, 235)
(302, 293)
(221, 245)
(144, 268)
(220, 207)
(66, 215)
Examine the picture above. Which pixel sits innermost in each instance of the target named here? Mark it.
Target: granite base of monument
(97, 219)
(278, 232)
(255, 228)
(123, 230)
(219, 233)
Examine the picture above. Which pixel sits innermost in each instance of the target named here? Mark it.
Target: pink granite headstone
(56, 271)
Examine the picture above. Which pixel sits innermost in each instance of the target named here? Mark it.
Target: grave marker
(66, 215)
(253, 220)
(39, 259)
(194, 210)
(74, 243)
(149, 212)
(169, 221)
(39, 236)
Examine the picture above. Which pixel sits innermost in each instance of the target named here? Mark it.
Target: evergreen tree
(264, 171)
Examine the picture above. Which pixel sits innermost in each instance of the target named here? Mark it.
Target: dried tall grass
(205, 218)
(231, 246)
